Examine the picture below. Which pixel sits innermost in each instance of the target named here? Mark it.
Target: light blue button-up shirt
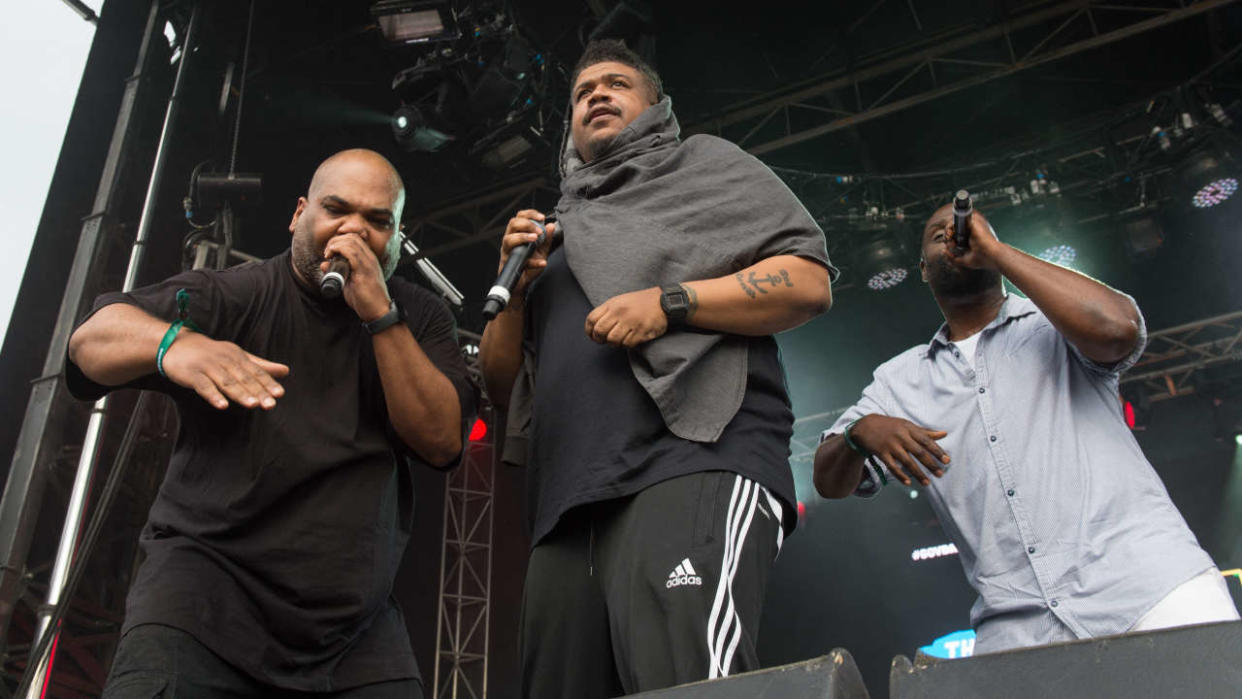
(1063, 527)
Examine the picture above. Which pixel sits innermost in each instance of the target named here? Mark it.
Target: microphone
(498, 296)
(963, 207)
(334, 279)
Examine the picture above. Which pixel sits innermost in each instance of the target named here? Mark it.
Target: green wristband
(183, 311)
(169, 336)
(850, 442)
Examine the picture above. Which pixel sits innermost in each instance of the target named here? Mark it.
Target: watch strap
(389, 319)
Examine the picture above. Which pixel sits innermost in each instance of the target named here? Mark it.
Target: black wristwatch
(395, 315)
(675, 302)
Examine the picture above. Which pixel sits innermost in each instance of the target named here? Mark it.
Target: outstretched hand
(221, 372)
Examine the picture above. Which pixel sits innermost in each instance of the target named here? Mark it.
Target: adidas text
(683, 580)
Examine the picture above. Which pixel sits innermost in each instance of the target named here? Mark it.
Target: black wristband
(394, 315)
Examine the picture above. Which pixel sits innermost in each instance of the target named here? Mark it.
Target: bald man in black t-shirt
(271, 548)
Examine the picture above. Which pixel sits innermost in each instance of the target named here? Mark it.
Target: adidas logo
(683, 574)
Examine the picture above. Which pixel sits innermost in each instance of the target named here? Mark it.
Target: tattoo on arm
(742, 280)
(692, 301)
(753, 283)
(756, 282)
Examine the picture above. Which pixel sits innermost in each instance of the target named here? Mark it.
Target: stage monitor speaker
(1192, 661)
(833, 676)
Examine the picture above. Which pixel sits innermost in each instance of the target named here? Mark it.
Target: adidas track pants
(652, 590)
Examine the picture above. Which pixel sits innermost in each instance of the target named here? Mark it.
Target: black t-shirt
(276, 535)
(597, 435)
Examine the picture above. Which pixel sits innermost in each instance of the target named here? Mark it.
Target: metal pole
(38, 439)
(161, 156)
(90, 446)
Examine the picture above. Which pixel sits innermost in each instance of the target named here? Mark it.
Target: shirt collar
(1013, 307)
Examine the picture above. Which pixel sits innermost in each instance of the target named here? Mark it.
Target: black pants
(160, 661)
(656, 589)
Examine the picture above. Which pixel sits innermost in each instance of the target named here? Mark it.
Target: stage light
(887, 279)
(512, 151)
(1238, 440)
(413, 133)
(1060, 254)
(881, 262)
(1207, 180)
(403, 22)
(1214, 193)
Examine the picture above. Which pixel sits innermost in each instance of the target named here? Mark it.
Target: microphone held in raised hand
(498, 296)
(963, 207)
(334, 279)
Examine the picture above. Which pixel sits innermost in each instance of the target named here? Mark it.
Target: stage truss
(464, 605)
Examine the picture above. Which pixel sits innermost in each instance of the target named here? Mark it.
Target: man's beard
(305, 259)
(600, 147)
(951, 281)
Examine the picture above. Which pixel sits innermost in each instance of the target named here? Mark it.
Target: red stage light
(1129, 408)
(479, 431)
(801, 509)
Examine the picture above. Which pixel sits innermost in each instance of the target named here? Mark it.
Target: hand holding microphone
(963, 209)
(353, 274)
(524, 254)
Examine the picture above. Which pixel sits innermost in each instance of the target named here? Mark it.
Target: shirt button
(956, 353)
(1030, 549)
(982, 389)
(1054, 603)
(992, 438)
(1009, 492)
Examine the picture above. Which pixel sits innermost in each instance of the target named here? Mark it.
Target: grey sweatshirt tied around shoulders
(653, 210)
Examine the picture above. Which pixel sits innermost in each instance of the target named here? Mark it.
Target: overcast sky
(43, 47)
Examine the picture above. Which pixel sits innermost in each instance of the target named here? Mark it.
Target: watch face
(675, 303)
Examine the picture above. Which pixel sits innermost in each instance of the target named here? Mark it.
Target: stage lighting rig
(484, 89)
(403, 22)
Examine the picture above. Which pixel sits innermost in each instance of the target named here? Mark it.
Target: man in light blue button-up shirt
(1010, 418)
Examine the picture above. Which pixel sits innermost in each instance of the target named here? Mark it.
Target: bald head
(361, 168)
(356, 191)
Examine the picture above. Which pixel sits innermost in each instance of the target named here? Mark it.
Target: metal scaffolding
(1174, 355)
(40, 441)
(886, 85)
(462, 629)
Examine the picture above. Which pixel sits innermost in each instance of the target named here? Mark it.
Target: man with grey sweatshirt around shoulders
(645, 392)
(1010, 421)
